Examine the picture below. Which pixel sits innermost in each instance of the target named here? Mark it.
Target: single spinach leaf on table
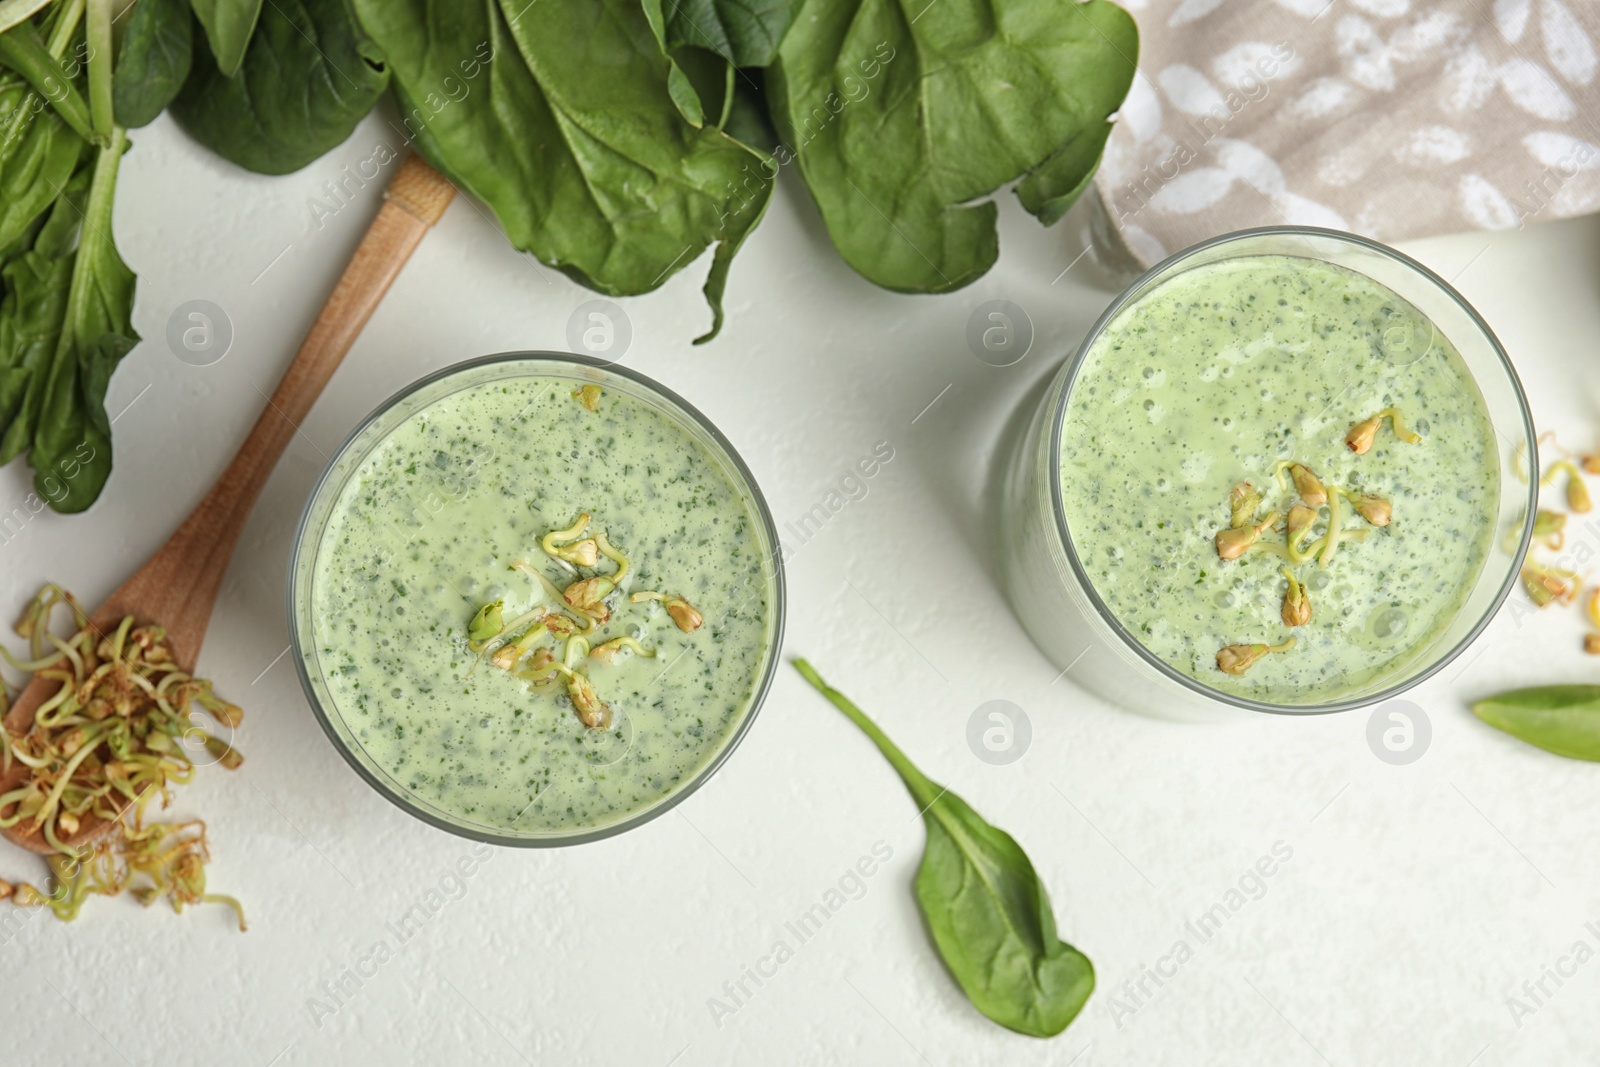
(744, 32)
(560, 119)
(153, 61)
(985, 906)
(1564, 719)
(309, 75)
(229, 25)
(903, 113)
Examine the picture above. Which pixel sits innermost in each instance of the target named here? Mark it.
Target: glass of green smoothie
(536, 599)
(1286, 471)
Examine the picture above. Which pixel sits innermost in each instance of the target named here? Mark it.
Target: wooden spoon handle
(178, 585)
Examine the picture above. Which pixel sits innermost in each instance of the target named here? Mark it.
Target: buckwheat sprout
(615, 556)
(611, 651)
(1332, 538)
(681, 611)
(555, 595)
(1236, 659)
(1362, 434)
(1243, 503)
(571, 533)
(1577, 493)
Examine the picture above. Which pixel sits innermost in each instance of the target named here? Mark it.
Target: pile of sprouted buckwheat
(119, 732)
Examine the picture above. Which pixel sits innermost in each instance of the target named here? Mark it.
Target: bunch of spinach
(614, 140)
(987, 910)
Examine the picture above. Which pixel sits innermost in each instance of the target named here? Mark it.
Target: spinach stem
(66, 25)
(98, 33)
(96, 232)
(922, 789)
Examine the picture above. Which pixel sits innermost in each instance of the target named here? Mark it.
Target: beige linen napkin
(1391, 118)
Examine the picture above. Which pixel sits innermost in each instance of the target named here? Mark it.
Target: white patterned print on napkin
(1391, 118)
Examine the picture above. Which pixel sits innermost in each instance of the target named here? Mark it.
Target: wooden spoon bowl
(177, 587)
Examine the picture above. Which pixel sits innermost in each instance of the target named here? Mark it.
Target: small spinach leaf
(229, 25)
(744, 32)
(985, 906)
(309, 76)
(154, 60)
(559, 118)
(903, 113)
(1564, 719)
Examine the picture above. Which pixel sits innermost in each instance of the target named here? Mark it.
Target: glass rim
(1058, 508)
(773, 568)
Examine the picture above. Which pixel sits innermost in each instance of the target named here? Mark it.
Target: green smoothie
(1189, 432)
(496, 497)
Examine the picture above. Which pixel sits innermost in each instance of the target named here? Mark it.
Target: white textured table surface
(1415, 900)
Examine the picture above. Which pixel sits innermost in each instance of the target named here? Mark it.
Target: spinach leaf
(1564, 719)
(23, 52)
(38, 154)
(1056, 184)
(309, 76)
(34, 308)
(154, 60)
(229, 25)
(749, 121)
(903, 113)
(71, 446)
(744, 32)
(30, 324)
(714, 79)
(985, 906)
(684, 95)
(559, 117)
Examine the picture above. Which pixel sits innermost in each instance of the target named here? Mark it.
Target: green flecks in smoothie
(447, 505)
(1252, 371)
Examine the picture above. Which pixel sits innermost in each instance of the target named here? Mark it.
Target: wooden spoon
(177, 587)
